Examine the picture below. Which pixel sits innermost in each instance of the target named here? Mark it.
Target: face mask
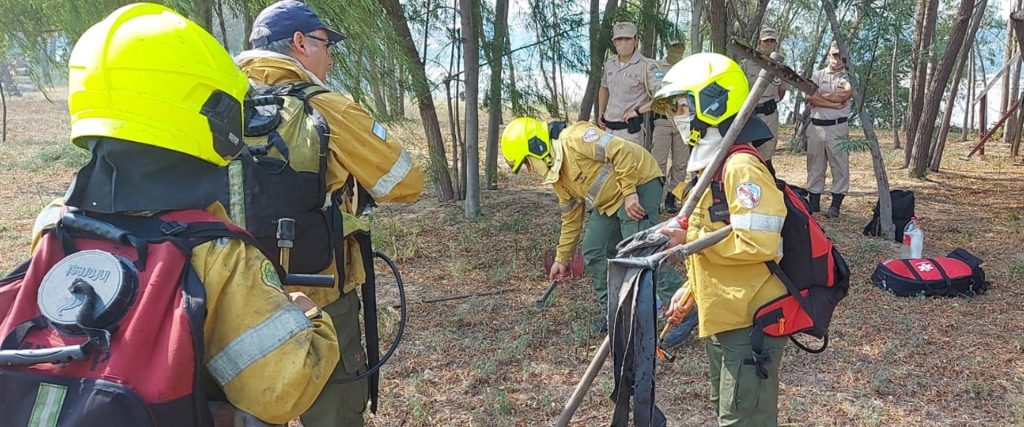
(705, 150)
(683, 124)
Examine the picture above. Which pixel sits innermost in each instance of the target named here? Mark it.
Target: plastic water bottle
(913, 240)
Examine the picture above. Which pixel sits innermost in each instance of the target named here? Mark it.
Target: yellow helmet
(148, 75)
(714, 86)
(525, 136)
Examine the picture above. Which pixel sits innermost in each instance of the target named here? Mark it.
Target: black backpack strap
(369, 296)
(14, 338)
(945, 277)
(912, 270)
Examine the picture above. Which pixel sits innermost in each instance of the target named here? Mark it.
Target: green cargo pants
(603, 232)
(738, 395)
(343, 404)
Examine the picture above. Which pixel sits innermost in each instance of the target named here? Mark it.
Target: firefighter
(292, 45)
(729, 280)
(612, 183)
(157, 102)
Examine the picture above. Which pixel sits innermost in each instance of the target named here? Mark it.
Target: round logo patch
(590, 135)
(658, 74)
(748, 194)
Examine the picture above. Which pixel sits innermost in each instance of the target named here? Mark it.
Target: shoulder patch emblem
(380, 131)
(659, 74)
(590, 135)
(269, 276)
(748, 195)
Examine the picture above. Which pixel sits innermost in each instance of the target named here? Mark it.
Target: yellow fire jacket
(359, 147)
(730, 279)
(269, 359)
(598, 169)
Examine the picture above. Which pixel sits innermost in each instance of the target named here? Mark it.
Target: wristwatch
(637, 110)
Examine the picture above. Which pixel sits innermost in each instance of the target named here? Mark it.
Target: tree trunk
(968, 111)
(247, 17)
(965, 50)
(424, 100)
(600, 36)
(800, 133)
(494, 116)
(219, 9)
(751, 31)
(376, 82)
(1004, 95)
(937, 88)
(648, 27)
(202, 14)
(718, 19)
(696, 10)
(921, 80)
(888, 230)
(893, 88)
(470, 12)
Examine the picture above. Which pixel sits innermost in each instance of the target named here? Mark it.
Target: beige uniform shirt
(629, 85)
(829, 82)
(772, 91)
(600, 170)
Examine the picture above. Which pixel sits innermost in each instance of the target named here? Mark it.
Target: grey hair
(283, 46)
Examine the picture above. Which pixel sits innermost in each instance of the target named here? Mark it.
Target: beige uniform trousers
(636, 138)
(669, 144)
(767, 150)
(822, 147)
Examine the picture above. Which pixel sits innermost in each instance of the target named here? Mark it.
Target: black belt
(659, 116)
(820, 122)
(633, 125)
(766, 108)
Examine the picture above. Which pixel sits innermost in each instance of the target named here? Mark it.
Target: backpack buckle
(173, 228)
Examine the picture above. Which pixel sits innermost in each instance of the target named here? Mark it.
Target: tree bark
(940, 145)
(893, 88)
(800, 133)
(470, 12)
(648, 27)
(600, 35)
(937, 88)
(968, 111)
(718, 19)
(219, 5)
(751, 31)
(696, 10)
(202, 14)
(888, 230)
(921, 80)
(494, 116)
(424, 100)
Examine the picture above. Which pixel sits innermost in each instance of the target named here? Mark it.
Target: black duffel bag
(902, 211)
(958, 274)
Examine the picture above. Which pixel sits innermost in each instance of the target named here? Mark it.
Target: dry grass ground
(495, 361)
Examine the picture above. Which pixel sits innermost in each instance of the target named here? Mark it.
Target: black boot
(670, 203)
(815, 202)
(837, 201)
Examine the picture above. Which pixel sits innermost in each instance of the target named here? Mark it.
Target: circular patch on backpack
(590, 135)
(748, 194)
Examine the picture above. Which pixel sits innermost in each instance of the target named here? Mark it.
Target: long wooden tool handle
(773, 65)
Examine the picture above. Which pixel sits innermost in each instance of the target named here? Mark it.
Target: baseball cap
(282, 19)
(623, 29)
(768, 33)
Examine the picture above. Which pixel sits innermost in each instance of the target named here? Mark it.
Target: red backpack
(122, 345)
(814, 272)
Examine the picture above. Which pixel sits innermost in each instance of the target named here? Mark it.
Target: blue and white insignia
(380, 131)
(748, 195)
(659, 74)
(590, 135)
